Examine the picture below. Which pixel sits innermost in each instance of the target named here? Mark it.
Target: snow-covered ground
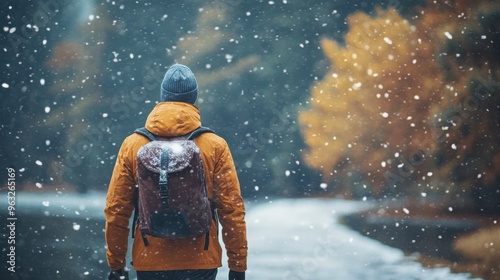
(289, 239)
(302, 239)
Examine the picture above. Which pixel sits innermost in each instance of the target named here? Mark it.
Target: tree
(376, 118)
(370, 111)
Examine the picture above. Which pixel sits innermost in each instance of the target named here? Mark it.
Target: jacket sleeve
(119, 207)
(231, 211)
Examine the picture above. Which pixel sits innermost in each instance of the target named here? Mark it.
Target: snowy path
(289, 239)
(300, 239)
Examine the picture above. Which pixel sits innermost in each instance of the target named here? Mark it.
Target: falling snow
(84, 91)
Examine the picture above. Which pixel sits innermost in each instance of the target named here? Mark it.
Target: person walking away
(187, 258)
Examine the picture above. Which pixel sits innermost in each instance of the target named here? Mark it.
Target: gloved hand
(236, 275)
(121, 274)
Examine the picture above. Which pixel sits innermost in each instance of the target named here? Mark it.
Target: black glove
(236, 275)
(121, 274)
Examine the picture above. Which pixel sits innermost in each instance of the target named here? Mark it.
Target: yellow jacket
(174, 119)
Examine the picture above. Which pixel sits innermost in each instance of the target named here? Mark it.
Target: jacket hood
(173, 119)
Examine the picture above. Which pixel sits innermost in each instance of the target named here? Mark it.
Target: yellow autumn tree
(378, 115)
(371, 108)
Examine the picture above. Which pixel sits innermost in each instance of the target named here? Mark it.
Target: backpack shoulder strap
(144, 132)
(191, 136)
(197, 132)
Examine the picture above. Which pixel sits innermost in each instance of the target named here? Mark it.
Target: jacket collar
(173, 119)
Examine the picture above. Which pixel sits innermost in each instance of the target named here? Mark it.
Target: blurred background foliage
(410, 106)
(289, 84)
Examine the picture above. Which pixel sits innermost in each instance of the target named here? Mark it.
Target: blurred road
(61, 237)
(301, 239)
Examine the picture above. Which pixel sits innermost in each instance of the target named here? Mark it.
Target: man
(177, 115)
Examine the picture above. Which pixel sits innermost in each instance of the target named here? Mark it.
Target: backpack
(172, 200)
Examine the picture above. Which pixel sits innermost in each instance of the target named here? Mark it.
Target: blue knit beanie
(179, 84)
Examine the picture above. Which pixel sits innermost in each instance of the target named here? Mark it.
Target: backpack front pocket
(171, 224)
